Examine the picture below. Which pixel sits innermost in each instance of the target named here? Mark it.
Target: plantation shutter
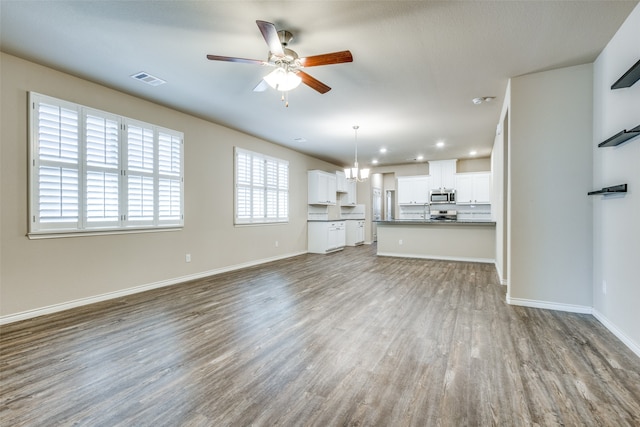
(170, 177)
(91, 170)
(102, 136)
(140, 180)
(56, 163)
(243, 186)
(262, 188)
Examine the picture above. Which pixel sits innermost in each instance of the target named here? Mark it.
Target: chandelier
(354, 173)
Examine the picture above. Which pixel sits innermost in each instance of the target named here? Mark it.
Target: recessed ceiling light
(440, 144)
(420, 158)
(383, 150)
(374, 161)
(148, 79)
(473, 152)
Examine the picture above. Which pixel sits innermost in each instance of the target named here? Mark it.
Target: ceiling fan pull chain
(285, 98)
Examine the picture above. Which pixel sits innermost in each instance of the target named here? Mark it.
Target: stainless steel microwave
(442, 196)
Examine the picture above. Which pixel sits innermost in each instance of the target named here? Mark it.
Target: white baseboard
(571, 308)
(442, 258)
(633, 346)
(29, 314)
(502, 280)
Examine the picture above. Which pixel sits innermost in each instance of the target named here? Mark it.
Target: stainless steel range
(444, 215)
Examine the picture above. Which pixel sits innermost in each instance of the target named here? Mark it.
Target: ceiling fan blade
(233, 59)
(262, 86)
(327, 59)
(270, 35)
(313, 83)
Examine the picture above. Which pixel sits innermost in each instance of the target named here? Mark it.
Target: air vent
(148, 79)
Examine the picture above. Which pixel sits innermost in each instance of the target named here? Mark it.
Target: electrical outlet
(277, 243)
(187, 258)
(604, 287)
(400, 242)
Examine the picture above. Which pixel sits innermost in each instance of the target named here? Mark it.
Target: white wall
(550, 173)
(616, 225)
(53, 273)
(499, 188)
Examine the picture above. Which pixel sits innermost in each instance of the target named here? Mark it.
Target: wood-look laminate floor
(342, 339)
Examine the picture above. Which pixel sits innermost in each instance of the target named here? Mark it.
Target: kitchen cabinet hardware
(621, 137)
(622, 188)
(629, 78)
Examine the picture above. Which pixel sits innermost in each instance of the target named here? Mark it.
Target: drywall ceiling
(417, 64)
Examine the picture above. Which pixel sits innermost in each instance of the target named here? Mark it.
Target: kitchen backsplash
(466, 212)
(334, 213)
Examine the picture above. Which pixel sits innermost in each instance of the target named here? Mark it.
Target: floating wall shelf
(629, 78)
(622, 188)
(621, 137)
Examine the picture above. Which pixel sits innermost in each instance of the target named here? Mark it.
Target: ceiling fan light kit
(282, 80)
(288, 72)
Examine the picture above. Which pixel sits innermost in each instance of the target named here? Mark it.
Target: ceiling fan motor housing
(290, 58)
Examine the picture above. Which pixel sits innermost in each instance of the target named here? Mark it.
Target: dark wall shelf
(621, 137)
(622, 188)
(629, 78)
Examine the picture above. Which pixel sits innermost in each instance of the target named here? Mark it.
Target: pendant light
(354, 173)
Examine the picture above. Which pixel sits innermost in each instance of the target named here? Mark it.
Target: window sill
(63, 234)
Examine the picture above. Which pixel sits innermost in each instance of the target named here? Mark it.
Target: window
(262, 188)
(95, 171)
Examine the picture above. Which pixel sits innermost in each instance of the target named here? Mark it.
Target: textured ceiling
(417, 64)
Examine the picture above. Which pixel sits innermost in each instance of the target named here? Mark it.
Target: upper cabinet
(341, 182)
(321, 188)
(349, 198)
(473, 188)
(442, 173)
(413, 190)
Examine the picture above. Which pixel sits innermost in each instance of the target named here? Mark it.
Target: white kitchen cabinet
(413, 190)
(321, 188)
(341, 182)
(349, 198)
(355, 232)
(473, 188)
(442, 173)
(326, 236)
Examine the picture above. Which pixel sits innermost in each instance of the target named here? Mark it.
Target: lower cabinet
(355, 232)
(326, 236)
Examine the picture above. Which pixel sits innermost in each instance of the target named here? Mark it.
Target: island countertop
(435, 222)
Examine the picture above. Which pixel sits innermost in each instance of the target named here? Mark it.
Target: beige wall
(616, 225)
(550, 173)
(36, 274)
(482, 164)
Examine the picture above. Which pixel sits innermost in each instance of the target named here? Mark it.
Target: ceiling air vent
(148, 79)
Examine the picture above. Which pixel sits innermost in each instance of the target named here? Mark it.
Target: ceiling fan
(288, 65)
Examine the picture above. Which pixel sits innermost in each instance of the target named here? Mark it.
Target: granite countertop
(335, 220)
(437, 222)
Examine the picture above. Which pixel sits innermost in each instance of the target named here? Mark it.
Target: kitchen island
(457, 240)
